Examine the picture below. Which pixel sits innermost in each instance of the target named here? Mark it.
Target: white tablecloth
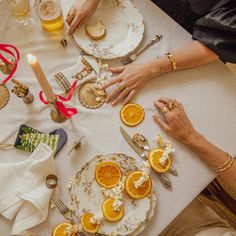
(207, 93)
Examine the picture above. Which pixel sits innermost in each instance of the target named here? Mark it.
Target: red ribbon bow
(65, 111)
(7, 48)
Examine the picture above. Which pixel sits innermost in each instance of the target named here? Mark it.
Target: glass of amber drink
(50, 14)
(21, 11)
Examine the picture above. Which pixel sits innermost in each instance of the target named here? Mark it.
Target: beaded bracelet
(172, 60)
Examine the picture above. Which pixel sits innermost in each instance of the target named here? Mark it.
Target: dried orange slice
(87, 225)
(154, 158)
(132, 114)
(60, 230)
(109, 213)
(108, 174)
(140, 192)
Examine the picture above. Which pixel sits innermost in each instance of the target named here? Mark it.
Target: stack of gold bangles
(172, 60)
(226, 165)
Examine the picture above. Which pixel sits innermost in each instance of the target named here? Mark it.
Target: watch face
(4, 96)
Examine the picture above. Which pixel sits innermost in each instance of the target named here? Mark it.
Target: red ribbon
(65, 111)
(6, 48)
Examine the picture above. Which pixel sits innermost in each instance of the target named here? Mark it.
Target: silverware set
(141, 146)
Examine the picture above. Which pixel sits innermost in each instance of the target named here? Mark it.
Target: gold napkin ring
(51, 181)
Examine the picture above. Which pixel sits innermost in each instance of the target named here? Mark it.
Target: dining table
(207, 93)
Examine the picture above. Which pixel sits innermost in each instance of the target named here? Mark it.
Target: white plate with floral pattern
(124, 30)
(87, 197)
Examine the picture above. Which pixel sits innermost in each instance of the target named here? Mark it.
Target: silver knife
(163, 179)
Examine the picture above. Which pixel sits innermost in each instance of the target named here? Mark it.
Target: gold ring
(172, 105)
(165, 109)
(120, 87)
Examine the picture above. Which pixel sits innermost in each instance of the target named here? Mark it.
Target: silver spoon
(142, 142)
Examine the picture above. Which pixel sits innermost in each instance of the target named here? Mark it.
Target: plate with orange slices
(108, 172)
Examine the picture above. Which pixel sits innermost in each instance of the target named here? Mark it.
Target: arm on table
(180, 127)
(132, 78)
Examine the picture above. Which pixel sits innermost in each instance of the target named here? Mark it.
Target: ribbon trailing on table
(65, 111)
(7, 48)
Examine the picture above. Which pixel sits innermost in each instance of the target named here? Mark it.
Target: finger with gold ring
(171, 105)
(165, 109)
(121, 87)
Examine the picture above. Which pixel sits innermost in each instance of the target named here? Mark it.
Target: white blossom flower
(70, 183)
(97, 219)
(145, 168)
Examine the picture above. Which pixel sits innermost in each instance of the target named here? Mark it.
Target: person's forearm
(190, 55)
(213, 156)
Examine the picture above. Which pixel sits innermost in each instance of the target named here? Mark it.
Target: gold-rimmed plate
(87, 197)
(124, 30)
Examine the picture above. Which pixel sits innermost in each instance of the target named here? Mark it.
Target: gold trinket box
(91, 95)
(4, 96)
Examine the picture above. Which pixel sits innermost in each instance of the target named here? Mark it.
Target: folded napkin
(24, 195)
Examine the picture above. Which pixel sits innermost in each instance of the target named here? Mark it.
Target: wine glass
(21, 11)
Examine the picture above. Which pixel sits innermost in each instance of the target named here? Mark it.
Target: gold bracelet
(172, 60)
(159, 64)
(224, 164)
(226, 167)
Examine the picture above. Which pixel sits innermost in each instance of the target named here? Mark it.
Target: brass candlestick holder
(7, 68)
(56, 116)
(22, 91)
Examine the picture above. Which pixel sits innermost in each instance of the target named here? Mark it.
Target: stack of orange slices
(154, 157)
(132, 114)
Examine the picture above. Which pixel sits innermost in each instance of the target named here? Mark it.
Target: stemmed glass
(20, 10)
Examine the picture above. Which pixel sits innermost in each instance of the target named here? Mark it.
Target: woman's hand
(130, 79)
(177, 123)
(80, 10)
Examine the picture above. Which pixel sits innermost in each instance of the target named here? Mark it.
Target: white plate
(86, 197)
(124, 26)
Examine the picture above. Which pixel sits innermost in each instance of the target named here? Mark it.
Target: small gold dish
(90, 95)
(4, 96)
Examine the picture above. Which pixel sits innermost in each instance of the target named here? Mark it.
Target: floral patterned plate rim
(124, 30)
(86, 197)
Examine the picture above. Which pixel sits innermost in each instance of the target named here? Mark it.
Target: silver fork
(133, 57)
(64, 210)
